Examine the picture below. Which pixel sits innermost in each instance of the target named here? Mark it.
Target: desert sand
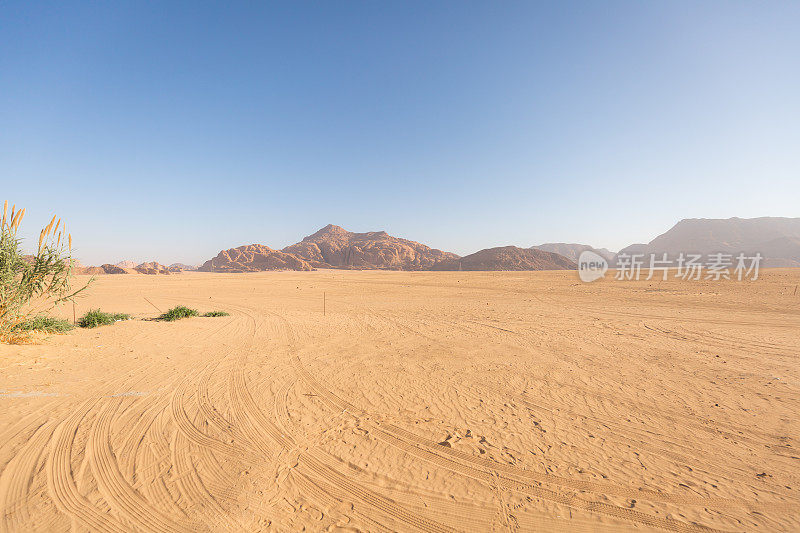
(432, 401)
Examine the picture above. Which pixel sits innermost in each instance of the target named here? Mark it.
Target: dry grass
(31, 285)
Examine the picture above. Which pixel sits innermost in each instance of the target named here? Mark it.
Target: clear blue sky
(169, 131)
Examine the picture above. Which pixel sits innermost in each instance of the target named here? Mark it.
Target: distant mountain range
(180, 267)
(573, 251)
(99, 270)
(777, 239)
(129, 267)
(331, 247)
(335, 247)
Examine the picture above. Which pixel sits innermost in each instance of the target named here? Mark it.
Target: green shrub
(31, 285)
(178, 312)
(45, 324)
(217, 313)
(96, 317)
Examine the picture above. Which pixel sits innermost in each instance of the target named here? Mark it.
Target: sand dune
(432, 401)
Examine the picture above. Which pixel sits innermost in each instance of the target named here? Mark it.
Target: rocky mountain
(180, 267)
(777, 239)
(99, 270)
(573, 251)
(335, 247)
(123, 267)
(113, 269)
(508, 258)
(152, 268)
(253, 258)
(331, 247)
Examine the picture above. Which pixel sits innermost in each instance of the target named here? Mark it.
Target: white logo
(591, 266)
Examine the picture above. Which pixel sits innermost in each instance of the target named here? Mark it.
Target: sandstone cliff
(253, 258)
(335, 247)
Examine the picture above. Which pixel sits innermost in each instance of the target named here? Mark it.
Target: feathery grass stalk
(31, 285)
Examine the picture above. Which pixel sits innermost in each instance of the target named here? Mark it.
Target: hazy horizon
(144, 259)
(170, 132)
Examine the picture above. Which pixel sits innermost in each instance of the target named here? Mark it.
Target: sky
(168, 131)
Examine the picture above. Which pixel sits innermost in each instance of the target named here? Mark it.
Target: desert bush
(31, 285)
(44, 324)
(217, 313)
(178, 312)
(96, 317)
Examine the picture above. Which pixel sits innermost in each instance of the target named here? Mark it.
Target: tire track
(199, 502)
(332, 481)
(61, 485)
(193, 434)
(253, 416)
(680, 420)
(17, 477)
(238, 432)
(309, 489)
(159, 454)
(27, 425)
(716, 340)
(314, 467)
(641, 438)
(513, 478)
(568, 499)
(112, 484)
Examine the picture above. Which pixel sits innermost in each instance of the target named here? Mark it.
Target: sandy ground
(419, 401)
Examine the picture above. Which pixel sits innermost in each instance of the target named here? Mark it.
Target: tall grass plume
(31, 285)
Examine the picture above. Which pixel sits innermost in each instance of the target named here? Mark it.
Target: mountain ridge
(334, 247)
(508, 258)
(253, 258)
(776, 238)
(573, 250)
